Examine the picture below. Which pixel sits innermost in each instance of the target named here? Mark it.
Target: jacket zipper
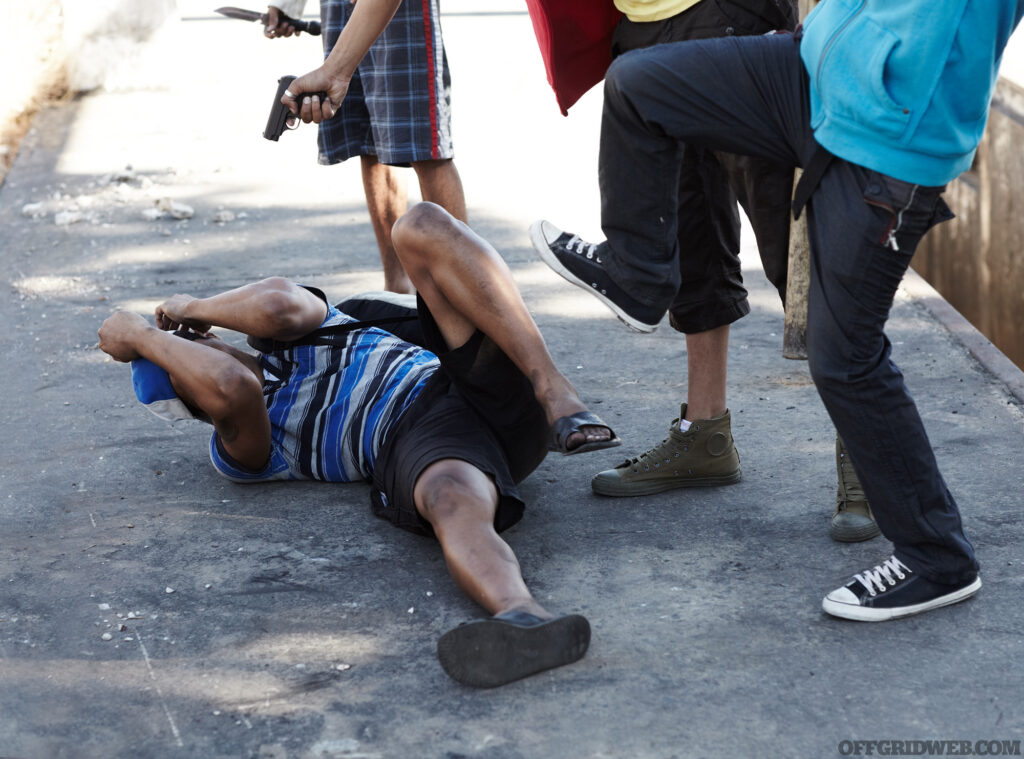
(832, 39)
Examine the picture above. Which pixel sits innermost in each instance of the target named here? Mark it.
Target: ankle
(529, 606)
(557, 397)
(702, 413)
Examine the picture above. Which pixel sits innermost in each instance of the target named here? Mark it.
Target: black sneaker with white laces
(579, 262)
(892, 590)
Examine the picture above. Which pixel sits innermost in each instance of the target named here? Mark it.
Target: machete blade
(240, 13)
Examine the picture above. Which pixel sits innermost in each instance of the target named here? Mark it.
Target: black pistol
(279, 114)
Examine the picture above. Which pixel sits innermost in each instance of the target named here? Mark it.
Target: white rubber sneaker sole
(842, 603)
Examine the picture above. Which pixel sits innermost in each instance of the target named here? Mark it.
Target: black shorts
(479, 408)
(711, 293)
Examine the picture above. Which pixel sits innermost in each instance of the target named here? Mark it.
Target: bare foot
(588, 434)
(561, 400)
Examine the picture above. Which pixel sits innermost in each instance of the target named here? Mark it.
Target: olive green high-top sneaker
(702, 456)
(852, 521)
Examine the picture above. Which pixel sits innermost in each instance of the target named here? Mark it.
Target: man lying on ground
(444, 432)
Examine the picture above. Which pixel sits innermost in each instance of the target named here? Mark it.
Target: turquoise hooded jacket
(903, 86)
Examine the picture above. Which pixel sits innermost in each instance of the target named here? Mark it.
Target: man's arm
(274, 308)
(362, 29)
(213, 380)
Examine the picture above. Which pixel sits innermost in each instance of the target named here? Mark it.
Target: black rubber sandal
(486, 653)
(564, 427)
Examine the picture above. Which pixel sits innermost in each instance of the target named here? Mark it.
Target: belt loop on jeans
(813, 172)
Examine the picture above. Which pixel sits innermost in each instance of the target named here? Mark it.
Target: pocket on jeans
(904, 212)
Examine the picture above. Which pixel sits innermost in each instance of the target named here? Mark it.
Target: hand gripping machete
(310, 27)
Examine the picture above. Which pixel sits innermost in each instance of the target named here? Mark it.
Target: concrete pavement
(285, 621)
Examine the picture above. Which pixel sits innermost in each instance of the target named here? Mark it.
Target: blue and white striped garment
(331, 407)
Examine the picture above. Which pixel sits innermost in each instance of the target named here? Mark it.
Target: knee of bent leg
(418, 226)
(626, 73)
(446, 495)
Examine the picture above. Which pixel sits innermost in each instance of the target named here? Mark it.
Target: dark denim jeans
(711, 292)
(749, 96)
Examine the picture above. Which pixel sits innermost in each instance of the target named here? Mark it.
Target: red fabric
(428, 35)
(575, 39)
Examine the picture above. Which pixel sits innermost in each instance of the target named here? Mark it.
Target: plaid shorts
(398, 106)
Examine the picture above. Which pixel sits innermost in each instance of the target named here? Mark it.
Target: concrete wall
(30, 55)
(50, 45)
(977, 261)
(119, 44)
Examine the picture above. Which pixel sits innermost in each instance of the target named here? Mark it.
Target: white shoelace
(882, 575)
(582, 247)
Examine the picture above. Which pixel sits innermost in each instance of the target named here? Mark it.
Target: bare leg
(440, 183)
(386, 200)
(460, 501)
(706, 359)
(468, 286)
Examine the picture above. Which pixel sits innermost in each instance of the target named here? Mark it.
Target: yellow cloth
(641, 11)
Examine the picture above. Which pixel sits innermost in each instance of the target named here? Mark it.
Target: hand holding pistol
(280, 117)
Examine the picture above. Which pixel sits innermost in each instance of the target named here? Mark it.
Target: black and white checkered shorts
(398, 105)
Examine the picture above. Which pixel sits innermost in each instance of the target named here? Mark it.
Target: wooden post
(798, 279)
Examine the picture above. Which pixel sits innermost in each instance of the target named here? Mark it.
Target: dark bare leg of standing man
(440, 183)
(386, 201)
